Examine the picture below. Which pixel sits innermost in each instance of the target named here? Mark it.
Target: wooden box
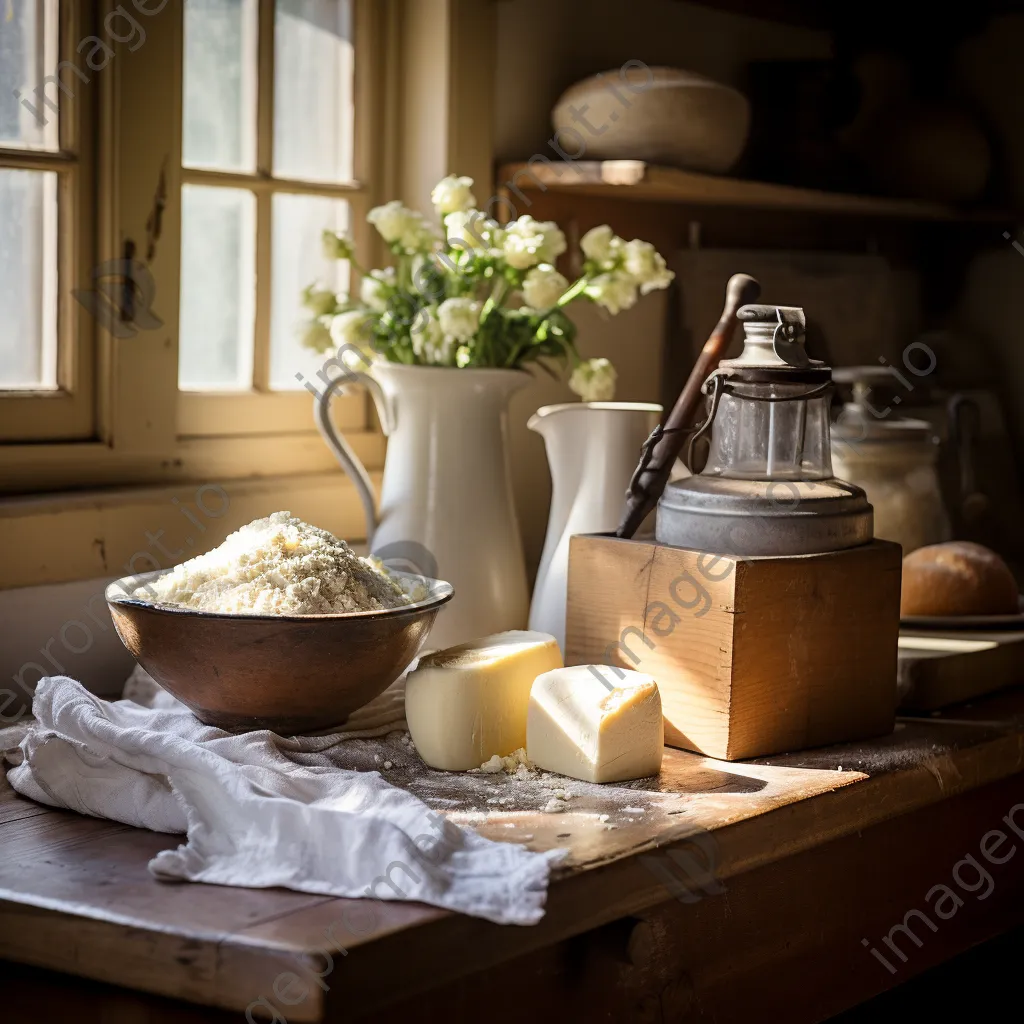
(752, 656)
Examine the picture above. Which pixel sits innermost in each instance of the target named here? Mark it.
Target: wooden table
(793, 873)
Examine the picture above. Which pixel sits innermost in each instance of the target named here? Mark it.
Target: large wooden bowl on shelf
(659, 115)
(288, 673)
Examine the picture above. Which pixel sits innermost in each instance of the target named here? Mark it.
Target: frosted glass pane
(218, 288)
(220, 84)
(313, 90)
(298, 261)
(28, 53)
(28, 279)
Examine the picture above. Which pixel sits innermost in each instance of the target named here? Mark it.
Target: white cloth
(256, 817)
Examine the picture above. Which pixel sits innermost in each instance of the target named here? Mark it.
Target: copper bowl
(287, 673)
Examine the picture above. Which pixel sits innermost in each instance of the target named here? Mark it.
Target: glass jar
(770, 429)
(896, 465)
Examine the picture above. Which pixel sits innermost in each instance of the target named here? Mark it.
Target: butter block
(468, 703)
(596, 724)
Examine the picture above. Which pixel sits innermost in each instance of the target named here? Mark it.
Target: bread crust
(957, 578)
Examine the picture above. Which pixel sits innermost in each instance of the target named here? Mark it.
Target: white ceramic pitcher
(593, 448)
(447, 508)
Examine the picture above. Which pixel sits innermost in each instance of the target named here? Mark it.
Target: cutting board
(938, 669)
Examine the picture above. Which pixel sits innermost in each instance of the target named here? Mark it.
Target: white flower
(336, 246)
(316, 336)
(399, 225)
(594, 380)
(459, 318)
(453, 194)
(429, 342)
(427, 335)
(352, 328)
(374, 287)
(615, 291)
(471, 229)
(543, 286)
(418, 236)
(646, 266)
(445, 353)
(319, 301)
(391, 220)
(528, 242)
(601, 244)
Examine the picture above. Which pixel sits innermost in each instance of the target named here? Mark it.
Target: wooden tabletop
(76, 896)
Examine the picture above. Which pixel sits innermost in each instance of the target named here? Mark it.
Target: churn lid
(773, 336)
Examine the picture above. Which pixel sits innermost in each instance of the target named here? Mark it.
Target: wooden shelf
(634, 180)
(903, 23)
(801, 13)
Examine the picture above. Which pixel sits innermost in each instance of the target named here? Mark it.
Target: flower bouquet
(471, 293)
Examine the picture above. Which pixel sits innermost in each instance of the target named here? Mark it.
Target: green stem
(403, 274)
(494, 300)
(513, 356)
(576, 289)
(358, 266)
(498, 295)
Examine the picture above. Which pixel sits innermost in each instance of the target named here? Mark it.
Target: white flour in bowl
(277, 566)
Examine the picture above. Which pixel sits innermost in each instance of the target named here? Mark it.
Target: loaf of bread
(958, 578)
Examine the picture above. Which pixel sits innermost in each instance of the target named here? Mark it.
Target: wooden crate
(752, 656)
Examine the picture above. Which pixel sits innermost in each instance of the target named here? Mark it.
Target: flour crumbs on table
(516, 763)
(505, 797)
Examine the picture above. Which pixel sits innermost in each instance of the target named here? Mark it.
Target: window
(46, 338)
(268, 162)
(167, 169)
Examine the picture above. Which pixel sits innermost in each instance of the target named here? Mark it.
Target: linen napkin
(262, 810)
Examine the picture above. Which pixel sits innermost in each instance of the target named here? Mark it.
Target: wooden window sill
(57, 538)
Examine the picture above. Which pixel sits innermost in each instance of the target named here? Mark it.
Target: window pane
(298, 261)
(313, 90)
(28, 279)
(220, 84)
(218, 288)
(28, 52)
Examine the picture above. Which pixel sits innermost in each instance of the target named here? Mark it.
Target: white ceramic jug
(593, 448)
(447, 509)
